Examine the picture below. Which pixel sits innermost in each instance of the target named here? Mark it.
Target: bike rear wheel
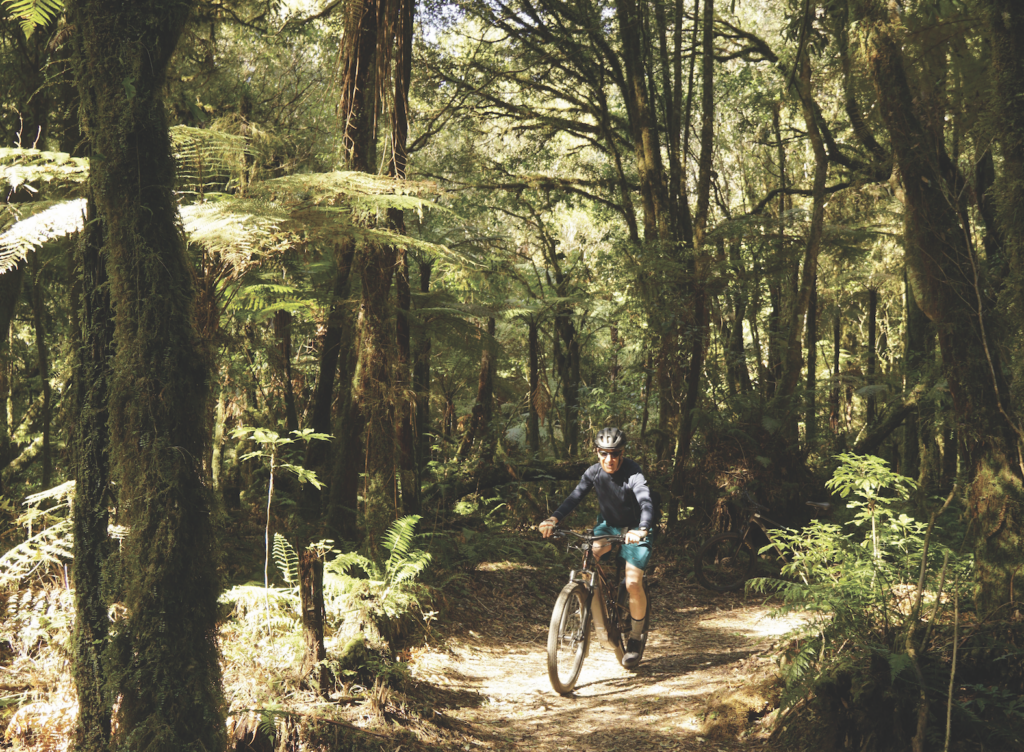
(568, 637)
(724, 563)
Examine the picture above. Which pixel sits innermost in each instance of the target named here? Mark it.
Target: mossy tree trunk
(93, 492)
(944, 270)
(168, 674)
(477, 432)
(43, 359)
(331, 353)
(10, 294)
(421, 383)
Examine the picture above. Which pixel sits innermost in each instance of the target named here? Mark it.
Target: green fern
(50, 547)
(28, 168)
(55, 221)
(287, 559)
(207, 161)
(390, 588)
(801, 675)
(33, 13)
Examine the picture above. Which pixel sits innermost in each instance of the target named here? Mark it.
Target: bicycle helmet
(610, 438)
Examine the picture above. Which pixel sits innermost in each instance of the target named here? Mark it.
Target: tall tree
(168, 672)
(945, 273)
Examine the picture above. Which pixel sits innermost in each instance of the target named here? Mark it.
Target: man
(626, 507)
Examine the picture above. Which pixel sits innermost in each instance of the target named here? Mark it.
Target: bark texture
(946, 277)
(168, 675)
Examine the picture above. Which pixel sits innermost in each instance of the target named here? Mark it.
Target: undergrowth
(885, 602)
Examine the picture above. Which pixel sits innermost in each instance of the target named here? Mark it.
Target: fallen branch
(896, 412)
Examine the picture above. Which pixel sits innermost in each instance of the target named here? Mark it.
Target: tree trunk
(169, 683)
(43, 356)
(90, 443)
(915, 363)
(10, 295)
(835, 417)
(736, 354)
(376, 393)
(406, 405)
(421, 384)
(811, 419)
(791, 371)
(311, 596)
(338, 321)
(282, 360)
(872, 356)
(405, 402)
(943, 270)
(533, 419)
(477, 432)
(701, 262)
(567, 360)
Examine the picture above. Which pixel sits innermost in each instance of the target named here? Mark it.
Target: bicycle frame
(759, 519)
(593, 578)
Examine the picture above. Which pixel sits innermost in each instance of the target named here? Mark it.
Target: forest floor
(706, 680)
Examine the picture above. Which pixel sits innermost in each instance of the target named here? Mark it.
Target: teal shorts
(636, 554)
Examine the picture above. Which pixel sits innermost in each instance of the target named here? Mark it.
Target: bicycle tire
(626, 622)
(568, 637)
(724, 563)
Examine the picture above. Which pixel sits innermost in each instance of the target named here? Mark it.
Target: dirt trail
(699, 643)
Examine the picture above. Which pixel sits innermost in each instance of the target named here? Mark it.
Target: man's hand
(548, 526)
(635, 536)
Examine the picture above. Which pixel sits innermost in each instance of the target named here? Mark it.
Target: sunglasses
(605, 455)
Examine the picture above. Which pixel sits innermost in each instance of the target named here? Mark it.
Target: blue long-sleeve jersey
(623, 496)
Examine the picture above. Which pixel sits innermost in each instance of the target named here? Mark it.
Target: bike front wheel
(568, 637)
(724, 563)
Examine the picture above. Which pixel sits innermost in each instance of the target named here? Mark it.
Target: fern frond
(287, 559)
(33, 13)
(343, 563)
(800, 674)
(207, 161)
(409, 568)
(51, 546)
(400, 536)
(57, 221)
(57, 170)
(235, 229)
(64, 492)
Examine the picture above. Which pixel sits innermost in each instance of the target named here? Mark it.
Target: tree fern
(33, 170)
(54, 221)
(207, 161)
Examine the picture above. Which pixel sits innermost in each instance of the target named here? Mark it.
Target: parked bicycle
(726, 561)
(590, 598)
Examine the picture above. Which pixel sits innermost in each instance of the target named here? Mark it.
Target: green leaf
(33, 13)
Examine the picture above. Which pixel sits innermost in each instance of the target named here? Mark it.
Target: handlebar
(561, 532)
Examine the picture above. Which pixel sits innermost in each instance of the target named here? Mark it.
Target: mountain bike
(590, 598)
(726, 561)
